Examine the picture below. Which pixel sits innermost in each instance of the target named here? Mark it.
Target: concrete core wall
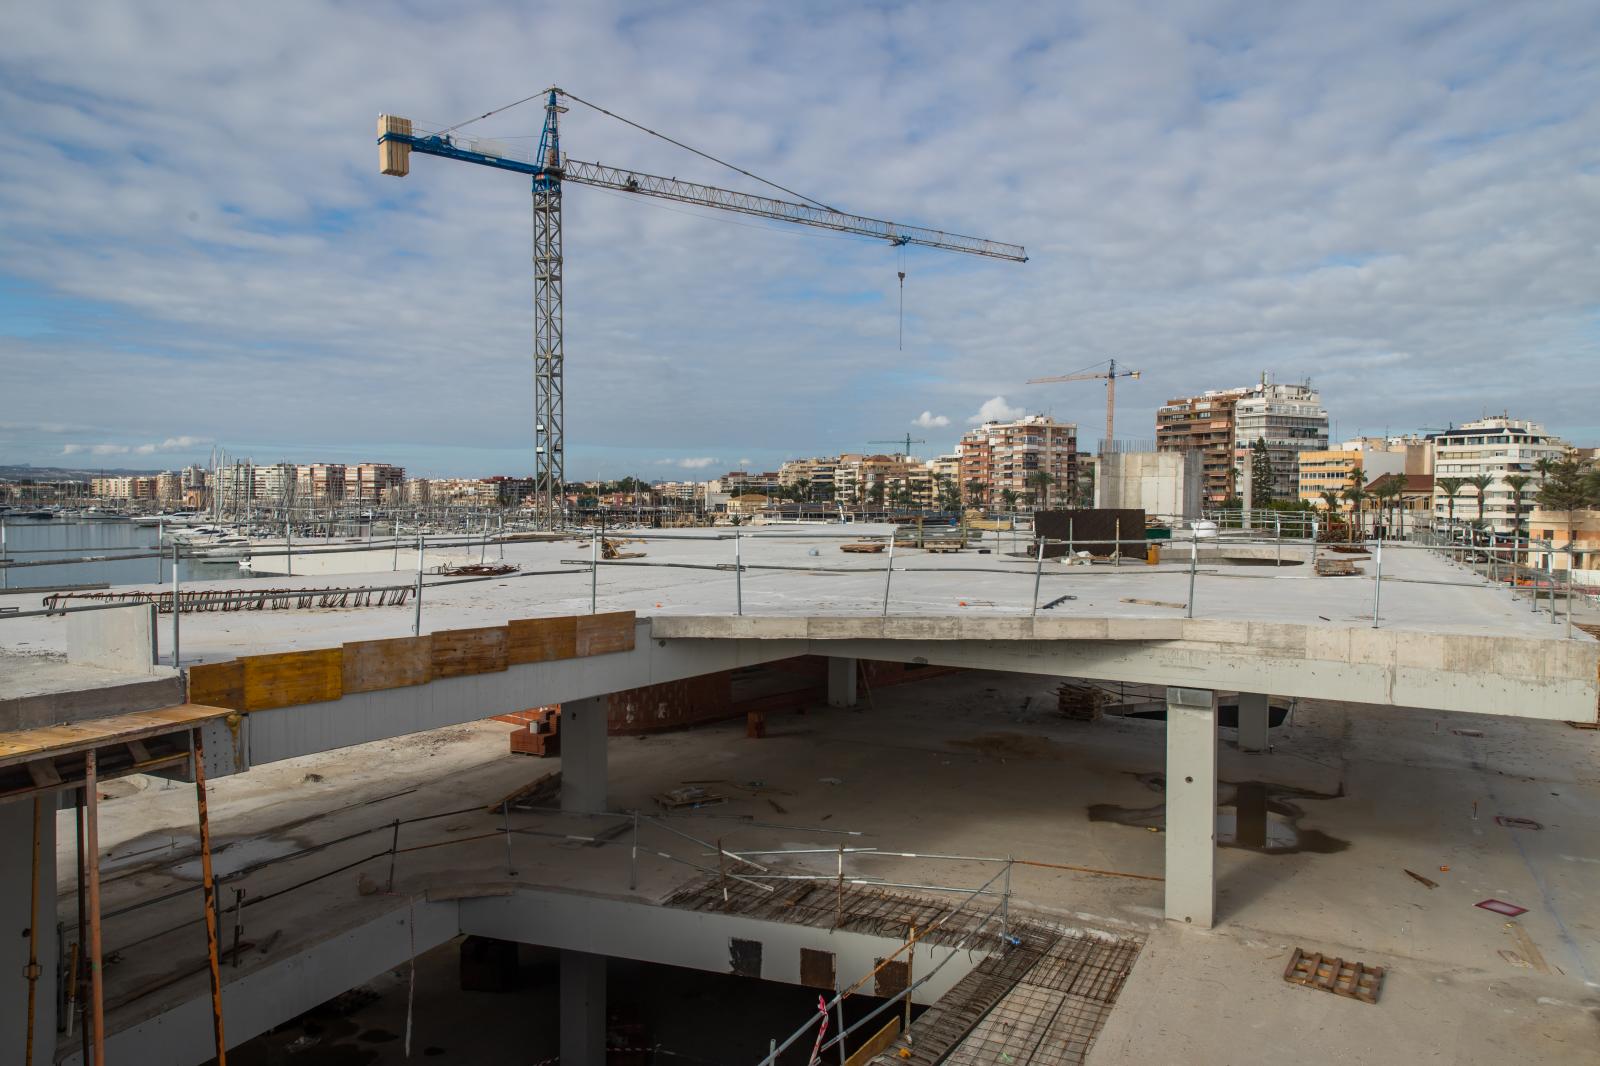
(1158, 483)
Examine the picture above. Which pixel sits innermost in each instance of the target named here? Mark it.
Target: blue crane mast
(549, 170)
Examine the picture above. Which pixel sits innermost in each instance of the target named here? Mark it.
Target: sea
(39, 540)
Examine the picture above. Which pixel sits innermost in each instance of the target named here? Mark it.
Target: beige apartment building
(1497, 447)
(1009, 455)
(1333, 469)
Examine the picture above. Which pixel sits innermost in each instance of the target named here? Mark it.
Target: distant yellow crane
(1109, 376)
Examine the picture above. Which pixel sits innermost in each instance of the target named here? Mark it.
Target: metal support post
(1313, 545)
(1377, 583)
(288, 549)
(738, 572)
(1038, 573)
(1277, 538)
(633, 862)
(176, 611)
(210, 887)
(416, 621)
(1550, 577)
(505, 814)
(1005, 902)
(161, 535)
(1194, 561)
(594, 572)
(888, 576)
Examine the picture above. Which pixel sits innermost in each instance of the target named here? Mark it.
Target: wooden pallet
(1337, 568)
(1342, 978)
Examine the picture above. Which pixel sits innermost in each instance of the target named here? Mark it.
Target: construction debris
(689, 797)
(864, 549)
(608, 550)
(1419, 879)
(1337, 568)
(541, 792)
(479, 569)
(205, 599)
(1352, 979)
(1154, 603)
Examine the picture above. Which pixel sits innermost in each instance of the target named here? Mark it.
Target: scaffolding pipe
(32, 971)
(91, 851)
(210, 885)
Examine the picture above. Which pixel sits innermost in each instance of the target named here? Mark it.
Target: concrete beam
(1191, 823)
(1254, 721)
(841, 681)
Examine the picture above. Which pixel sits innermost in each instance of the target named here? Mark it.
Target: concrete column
(1253, 721)
(841, 681)
(583, 1009)
(16, 884)
(583, 754)
(1191, 806)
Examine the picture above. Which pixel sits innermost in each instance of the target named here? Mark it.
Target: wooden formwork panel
(458, 652)
(292, 677)
(602, 634)
(539, 640)
(218, 684)
(373, 665)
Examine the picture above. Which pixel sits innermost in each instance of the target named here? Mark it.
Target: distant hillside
(64, 473)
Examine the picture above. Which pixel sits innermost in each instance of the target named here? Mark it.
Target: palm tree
(1481, 482)
(1041, 480)
(1330, 500)
(1386, 491)
(975, 492)
(1356, 494)
(1451, 486)
(802, 490)
(1008, 500)
(1517, 483)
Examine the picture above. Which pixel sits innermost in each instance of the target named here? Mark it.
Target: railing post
(288, 549)
(1377, 584)
(175, 607)
(1194, 560)
(161, 534)
(1038, 572)
(888, 575)
(416, 621)
(594, 571)
(738, 572)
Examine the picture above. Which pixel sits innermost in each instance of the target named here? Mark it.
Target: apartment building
(1204, 423)
(1333, 469)
(818, 473)
(320, 481)
(1496, 447)
(124, 488)
(370, 481)
(1290, 419)
(1009, 455)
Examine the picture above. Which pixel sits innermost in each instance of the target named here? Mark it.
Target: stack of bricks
(540, 734)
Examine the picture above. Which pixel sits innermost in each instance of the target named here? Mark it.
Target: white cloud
(745, 464)
(697, 463)
(996, 409)
(171, 444)
(929, 420)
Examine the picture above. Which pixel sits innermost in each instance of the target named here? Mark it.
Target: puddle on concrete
(235, 856)
(1252, 815)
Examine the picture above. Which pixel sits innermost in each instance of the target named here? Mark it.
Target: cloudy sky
(1400, 202)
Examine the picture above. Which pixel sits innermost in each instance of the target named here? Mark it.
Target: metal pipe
(83, 909)
(505, 813)
(176, 595)
(738, 572)
(91, 850)
(633, 861)
(888, 576)
(210, 886)
(161, 534)
(1377, 583)
(1194, 562)
(422, 548)
(594, 573)
(1038, 573)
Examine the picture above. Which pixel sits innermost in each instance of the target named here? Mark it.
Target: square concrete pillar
(1191, 806)
(17, 821)
(841, 681)
(583, 1008)
(1254, 717)
(583, 754)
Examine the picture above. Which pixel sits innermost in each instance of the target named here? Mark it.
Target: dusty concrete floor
(980, 764)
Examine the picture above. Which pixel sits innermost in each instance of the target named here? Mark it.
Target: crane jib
(623, 180)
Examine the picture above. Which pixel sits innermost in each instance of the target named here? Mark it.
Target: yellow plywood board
(877, 1045)
(292, 678)
(539, 640)
(602, 634)
(458, 652)
(25, 745)
(218, 684)
(373, 665)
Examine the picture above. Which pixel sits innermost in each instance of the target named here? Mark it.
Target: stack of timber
(1081, 703)
(1337, 568)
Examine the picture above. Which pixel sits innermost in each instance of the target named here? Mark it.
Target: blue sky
(1400, 202)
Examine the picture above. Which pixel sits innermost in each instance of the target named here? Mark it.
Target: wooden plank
(48, 741)
(603, 634)
(218, 684)
(538, 640)
(291, 678)
(876, 1044)
(374, 665)
(459, 652)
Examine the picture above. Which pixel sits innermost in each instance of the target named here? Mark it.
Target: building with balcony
(1290, 419)
(1004, 456)
(1496, 447)
(1204, 423)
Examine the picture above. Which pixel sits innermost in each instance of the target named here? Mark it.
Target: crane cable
(901, 250)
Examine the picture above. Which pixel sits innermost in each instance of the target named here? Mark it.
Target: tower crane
(550, 170)
(1109, 376)
(907, 440)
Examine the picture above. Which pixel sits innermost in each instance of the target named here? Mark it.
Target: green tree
(801, 490)
(1387, 492)
(1356, 494)
(1481, 482)
(1451, 486)
(875, 494)
(1261, 474)
(976, 494)
(1568, 487)
(1008, 500)
(1040, 481)
(1330, 500)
